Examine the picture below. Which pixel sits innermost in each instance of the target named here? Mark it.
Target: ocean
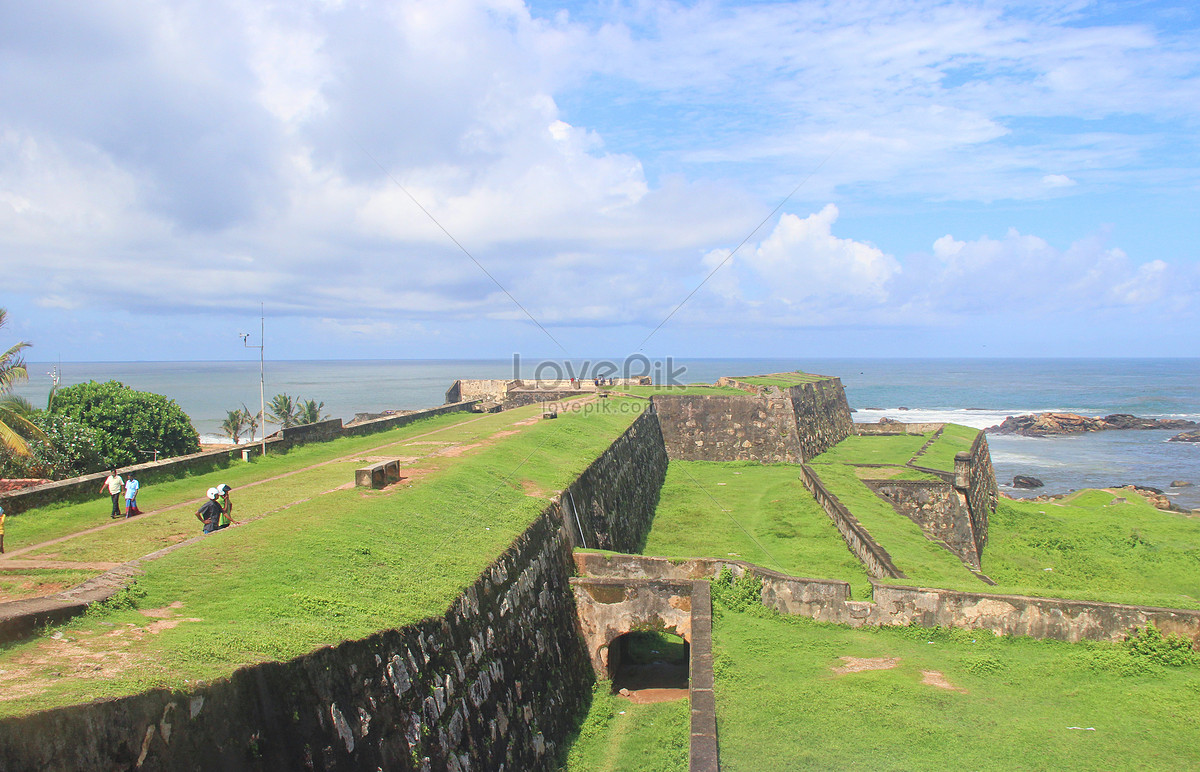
(974, 392)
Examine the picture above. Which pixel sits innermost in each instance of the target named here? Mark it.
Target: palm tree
(283, 409)
(233, 425)
(310, 412)
(252, 421)
(14, 410)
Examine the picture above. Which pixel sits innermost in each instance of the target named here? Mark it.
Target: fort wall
(829, 600)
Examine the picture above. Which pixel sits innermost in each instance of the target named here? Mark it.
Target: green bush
(1171, 650)
(737, 594)
(131, 424)
(70, 448)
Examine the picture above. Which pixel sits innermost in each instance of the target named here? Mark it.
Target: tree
(252, 420)
(15, 425)
(68, 448)
(233, 425)
(133, 425)
(310, 412)
(283, 409)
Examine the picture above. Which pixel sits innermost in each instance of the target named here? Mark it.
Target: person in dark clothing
(210, 511)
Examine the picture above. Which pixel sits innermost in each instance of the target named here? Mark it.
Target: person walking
(1, 530)
(131, 492)
(114, 485)
(209, 512)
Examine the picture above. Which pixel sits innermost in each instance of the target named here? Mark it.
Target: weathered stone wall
(890, 428)
(612, 503)
(610, 607)
(385, 423)
(492, 390)
(975, 478)
(822, 415)
(728, 428)
(938, 508)
(318, 431)
(829, 600)
(522, 397)
(874, 558)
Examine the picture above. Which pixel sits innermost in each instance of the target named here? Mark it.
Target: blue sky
(965, 179)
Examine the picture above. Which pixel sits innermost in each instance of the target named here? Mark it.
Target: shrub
(737, 594)
(1172, 650)
(131, 424)
(70, 448)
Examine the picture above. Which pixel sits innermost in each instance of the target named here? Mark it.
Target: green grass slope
(771, 521)
(1012, 703)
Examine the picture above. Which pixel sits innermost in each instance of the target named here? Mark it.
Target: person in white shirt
(114, 484)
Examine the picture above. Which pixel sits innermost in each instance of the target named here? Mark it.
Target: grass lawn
(782, 380)
(925, 562)
(1098, 545)
(1013, 703)
(334, 567)
(894, 449)
(766, 501)
(953, 439)
(57, 520)
(618, 735)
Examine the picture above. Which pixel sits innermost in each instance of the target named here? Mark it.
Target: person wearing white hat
(210, 511)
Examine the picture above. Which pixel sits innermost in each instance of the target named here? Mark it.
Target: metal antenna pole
(262, 383)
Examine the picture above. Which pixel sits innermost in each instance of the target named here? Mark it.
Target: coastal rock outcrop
(1048, 424)
(1025, 481)
(1186, 437)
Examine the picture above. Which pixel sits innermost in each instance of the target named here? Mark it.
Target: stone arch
(610, 608)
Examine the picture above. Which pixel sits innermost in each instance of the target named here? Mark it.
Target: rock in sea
(1025, 481)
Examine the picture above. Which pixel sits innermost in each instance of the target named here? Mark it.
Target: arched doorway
(649, 666)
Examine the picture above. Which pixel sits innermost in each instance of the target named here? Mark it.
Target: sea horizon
(974, 391)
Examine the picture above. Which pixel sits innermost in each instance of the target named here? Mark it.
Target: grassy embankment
(332, 567)
(169, 505)
(1094, 545)
(711, 509)
(1003, 703)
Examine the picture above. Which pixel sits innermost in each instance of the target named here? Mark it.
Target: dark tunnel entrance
(649, 666)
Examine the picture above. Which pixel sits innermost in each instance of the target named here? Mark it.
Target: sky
(478, 178)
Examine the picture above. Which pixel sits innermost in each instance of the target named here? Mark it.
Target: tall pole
(262, 381)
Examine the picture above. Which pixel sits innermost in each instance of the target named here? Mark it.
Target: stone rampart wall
(728, 428)
(822, 415)
(829, 601)
(874, 558)
(385, 423)
(495, 683)
(976, 479)
(889, 428)
(611, 505)
(492, 390)
(938, 508)
(523, 397)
